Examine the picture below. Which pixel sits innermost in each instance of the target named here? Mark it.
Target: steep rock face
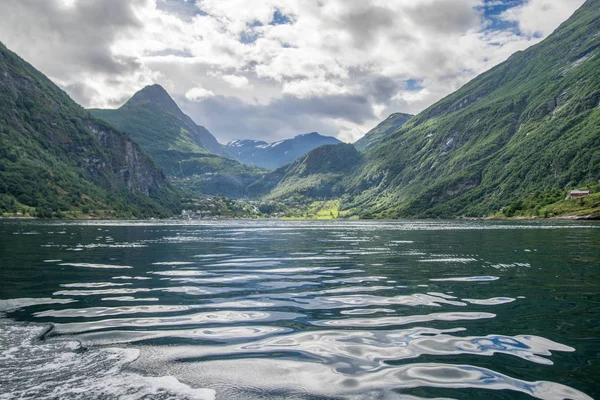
(131, 166)
(277, 154)
(54, 154)
(384, 129)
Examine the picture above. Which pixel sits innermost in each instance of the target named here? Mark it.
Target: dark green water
(300, 310)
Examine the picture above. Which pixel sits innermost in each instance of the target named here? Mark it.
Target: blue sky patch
(280, 19)
(492, 11)
(414, 85)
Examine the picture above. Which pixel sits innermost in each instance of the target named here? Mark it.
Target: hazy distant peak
(276, 154)
(309, 134)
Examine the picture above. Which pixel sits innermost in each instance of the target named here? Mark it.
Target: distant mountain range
(191, 155)
(277, 154)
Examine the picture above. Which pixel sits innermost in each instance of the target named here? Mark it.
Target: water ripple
(305, 310)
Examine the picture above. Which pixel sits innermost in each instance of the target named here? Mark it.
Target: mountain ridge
(497, 138)
(316, 174)
(385, 128)
(279, 153)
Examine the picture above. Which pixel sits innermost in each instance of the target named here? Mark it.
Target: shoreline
(558, 218)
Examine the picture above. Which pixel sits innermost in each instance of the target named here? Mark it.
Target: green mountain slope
(390, 125)
(532, 122)
(188, 153)
(55, 157)
(315, 175)
(153, 120)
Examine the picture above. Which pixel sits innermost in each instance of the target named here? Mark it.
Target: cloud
(71, 42)
(275, 68)
(198, 93)
(236, 81)
(313, 88)
(541, 17)
(446, 16)
(283, 117)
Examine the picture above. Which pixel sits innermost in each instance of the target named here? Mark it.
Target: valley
(529, 125)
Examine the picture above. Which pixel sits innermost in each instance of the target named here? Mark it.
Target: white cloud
(236, 81)
(313, 88)
(334, 66)
(198, 93)
(541, 17)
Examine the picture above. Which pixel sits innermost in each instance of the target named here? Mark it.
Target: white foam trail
(53, 369)
(173, 263)
(100, 266)
(15, 304)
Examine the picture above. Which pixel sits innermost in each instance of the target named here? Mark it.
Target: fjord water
(300, 310)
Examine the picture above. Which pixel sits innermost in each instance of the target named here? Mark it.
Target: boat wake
(34, 368)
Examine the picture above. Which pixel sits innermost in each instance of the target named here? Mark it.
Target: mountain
(188, 153)
(317, 174)
(154, 120)
(277, 154)
(381, 131)
(530, 124)
(56, 159)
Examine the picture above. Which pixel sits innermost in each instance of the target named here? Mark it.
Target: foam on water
(56, 369)
(173, 263)
(99, 266)
(14, 304)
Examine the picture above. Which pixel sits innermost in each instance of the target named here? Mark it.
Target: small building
(574, 194)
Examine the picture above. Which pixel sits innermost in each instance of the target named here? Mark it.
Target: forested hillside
(388, 126)
(531, 122)
(58, 160)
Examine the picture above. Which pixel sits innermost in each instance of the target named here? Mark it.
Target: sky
(272, 69)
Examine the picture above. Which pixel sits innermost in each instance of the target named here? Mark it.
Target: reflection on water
(300, 310)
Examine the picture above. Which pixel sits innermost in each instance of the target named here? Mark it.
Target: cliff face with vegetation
(153, 120)
(55, 157)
